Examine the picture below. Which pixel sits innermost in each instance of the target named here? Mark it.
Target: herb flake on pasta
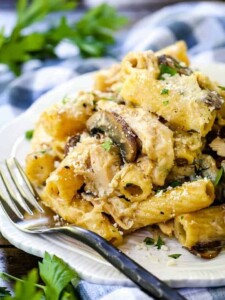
(164, 69)
(107, 145)
(164, 92)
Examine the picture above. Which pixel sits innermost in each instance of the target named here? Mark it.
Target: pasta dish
(145, 147)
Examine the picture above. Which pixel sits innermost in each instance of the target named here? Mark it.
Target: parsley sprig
(92, 34)
(55, 274)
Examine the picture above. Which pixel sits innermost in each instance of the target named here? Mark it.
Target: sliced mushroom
(213, 99)
(207, 250)
(72, 141)
(118, 130)
(218, 145)
(175, 64)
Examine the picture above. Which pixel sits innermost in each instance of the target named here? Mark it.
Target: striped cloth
(201, 25)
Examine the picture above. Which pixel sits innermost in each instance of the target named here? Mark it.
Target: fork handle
(148, 283)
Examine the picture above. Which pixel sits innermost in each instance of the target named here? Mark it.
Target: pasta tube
(82, 213)
(189, 197)
(184, 100)
(132, 183)
(68, 118)
(177, 50)
(145, 62)
(187, 146)
(39, 165)
(202, 230)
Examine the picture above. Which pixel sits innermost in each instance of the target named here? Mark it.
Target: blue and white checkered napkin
(201, 25)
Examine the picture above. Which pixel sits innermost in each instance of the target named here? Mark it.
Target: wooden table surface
(14, 261)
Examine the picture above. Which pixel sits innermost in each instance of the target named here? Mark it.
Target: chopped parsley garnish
(175, 183)
(65, 100)
(165, 102)
(181, 217)
(29, 134)
(149, 241)
(218, 176)
(164, 69)
(107, 145)
(175, 256)
(108, 98)
(164, 92)
(159, 243)
(221, 87)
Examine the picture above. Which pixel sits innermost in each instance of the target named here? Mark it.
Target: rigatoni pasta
(183, 106)
(164, 205)
(142, 148)
(203, 230)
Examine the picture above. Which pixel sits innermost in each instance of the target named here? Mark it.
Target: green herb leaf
(30, 12)
(29, 134)
(164, 69)
(2, 38)
(92, 34)
(175, 256)
(166, 102)
(159, 243)
(26, 288)
(164, 92)
(95, 28)
(4, 292)
(56, 274)
(107, 145)
(175, 183)
(65, 100)
(221, 87)
(149, 241)
(69, 293)
(219, 176)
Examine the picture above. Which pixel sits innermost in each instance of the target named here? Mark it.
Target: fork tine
(9, 209)
(12, 213)
(14, 196)
(33, 193)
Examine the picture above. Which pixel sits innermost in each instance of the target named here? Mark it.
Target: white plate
(189, 271)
